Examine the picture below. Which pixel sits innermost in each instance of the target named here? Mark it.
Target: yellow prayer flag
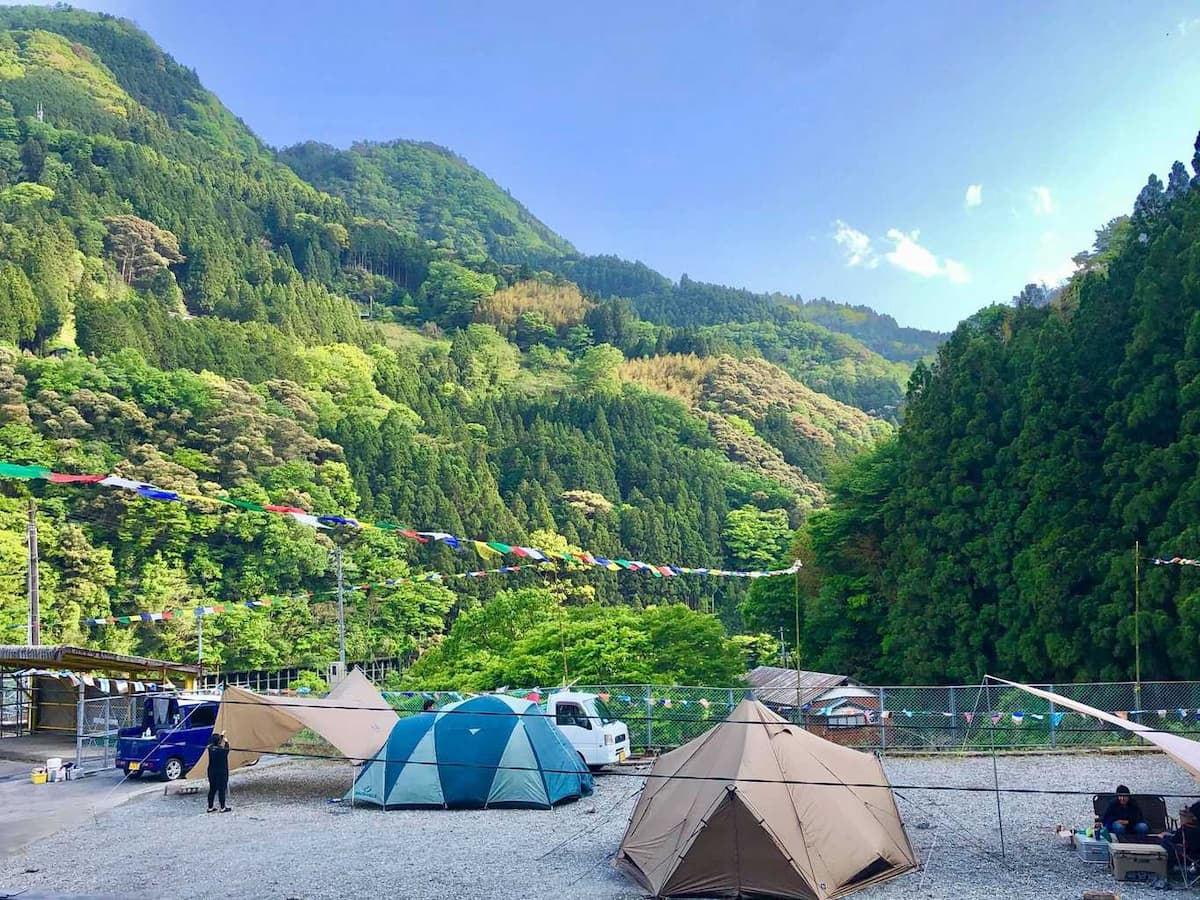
(485, 551)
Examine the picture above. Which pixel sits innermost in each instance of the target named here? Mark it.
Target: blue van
(172, 737)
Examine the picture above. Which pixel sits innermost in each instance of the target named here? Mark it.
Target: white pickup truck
(599, 738)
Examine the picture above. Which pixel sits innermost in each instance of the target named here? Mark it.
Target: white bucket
(54, 762)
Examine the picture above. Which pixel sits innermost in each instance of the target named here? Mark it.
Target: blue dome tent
(489, 751)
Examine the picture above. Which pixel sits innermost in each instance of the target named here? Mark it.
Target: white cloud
(1052, 276)
(1043, 205)
(1186, 25)
(856, 245)
(974, 195)
(908, 254)
(955, 271)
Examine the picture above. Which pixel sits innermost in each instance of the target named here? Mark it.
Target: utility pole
(782, 649)
(200, 640)
(796, 653)
(341, 598)
(35, 626)
(1137, 619)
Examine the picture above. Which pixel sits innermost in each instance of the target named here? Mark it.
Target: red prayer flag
(519, 551)
(60, 478)
(534, 696)
(285, 509)
(414, 536)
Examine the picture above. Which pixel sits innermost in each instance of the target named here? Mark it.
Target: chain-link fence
(99, 722)
(901, 718)
(896, 718)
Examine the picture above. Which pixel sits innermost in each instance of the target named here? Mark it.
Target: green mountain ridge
(206, 305)
(430, 192)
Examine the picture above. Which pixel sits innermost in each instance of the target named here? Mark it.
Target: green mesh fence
(900, 718)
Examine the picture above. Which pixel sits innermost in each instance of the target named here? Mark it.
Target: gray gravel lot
(285, 840)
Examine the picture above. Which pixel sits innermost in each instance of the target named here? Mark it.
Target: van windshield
(602, 710)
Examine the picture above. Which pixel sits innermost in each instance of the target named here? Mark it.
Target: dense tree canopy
(996, 533)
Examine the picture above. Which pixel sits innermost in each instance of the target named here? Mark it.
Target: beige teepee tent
(726, 826)
(354, 717)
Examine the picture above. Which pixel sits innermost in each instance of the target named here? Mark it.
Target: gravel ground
(284, 840)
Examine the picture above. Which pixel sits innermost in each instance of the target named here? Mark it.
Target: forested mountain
(424, 190)
(180, 307)
(853, 353)
(997, 531)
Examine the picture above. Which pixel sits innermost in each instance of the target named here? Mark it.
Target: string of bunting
(486, 549)
(1176, 561)
(167, 615)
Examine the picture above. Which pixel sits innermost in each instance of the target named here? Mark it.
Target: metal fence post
(953, 717)
(79, 728)
(107, 725)
(649, 717)
(882, 725)
(1053, 728)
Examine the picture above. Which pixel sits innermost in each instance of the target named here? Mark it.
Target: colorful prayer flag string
(486, 549)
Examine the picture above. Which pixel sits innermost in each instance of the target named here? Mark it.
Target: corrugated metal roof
(86, 660)
(777, 686)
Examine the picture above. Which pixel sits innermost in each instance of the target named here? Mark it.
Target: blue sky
(772, 145)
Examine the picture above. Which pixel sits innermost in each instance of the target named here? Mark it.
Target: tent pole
(995, 770)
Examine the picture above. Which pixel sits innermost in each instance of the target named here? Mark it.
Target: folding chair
(1188, 863)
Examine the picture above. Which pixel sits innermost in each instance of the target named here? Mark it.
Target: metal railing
(16, 693)
(270, 680)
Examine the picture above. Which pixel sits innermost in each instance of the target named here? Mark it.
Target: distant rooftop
(776, 686)
(82, 659)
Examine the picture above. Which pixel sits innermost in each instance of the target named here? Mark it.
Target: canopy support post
(995, 770)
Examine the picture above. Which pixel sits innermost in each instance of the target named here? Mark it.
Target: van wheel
(173, 770)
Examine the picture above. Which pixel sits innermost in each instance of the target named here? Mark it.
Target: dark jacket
(1116, 813)
(1186, 836)
(218, 762)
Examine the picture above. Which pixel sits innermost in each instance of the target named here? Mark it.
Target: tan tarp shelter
(1183, 750)
(727, 827)
(354, 717)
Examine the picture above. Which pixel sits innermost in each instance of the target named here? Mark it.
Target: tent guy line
(892, 725)
(724, 779)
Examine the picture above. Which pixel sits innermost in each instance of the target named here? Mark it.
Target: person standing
(218, 770)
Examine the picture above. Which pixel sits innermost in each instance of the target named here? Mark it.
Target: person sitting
(1183, 844)
(1123, 817)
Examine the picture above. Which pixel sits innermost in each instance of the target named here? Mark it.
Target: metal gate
(98, 723)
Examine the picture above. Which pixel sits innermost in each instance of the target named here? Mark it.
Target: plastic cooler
(1145, 859)
(1093, 850)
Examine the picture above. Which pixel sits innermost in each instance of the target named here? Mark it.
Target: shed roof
(82, 659)
(777, 686)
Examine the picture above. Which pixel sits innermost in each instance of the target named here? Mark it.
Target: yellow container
(38, 776)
